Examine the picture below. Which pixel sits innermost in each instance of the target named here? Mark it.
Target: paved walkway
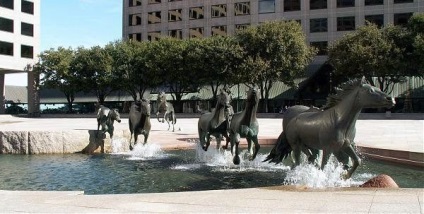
(404, 136)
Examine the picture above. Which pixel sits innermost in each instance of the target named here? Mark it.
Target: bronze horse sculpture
(139, 120)
(331, 130)
(215, 123)
(167, 109)
(244, 124)
(106, 118)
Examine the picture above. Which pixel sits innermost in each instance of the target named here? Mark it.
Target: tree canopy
(388, 54)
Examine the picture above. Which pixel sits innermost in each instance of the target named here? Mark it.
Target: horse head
(372, 97)
(145, 107)
(224, 99)
(253, 95)
(115, 115)
(161, 97)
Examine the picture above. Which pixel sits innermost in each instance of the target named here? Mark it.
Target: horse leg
(131, 147)
(343, 158)
(164, 118)
(325, 158)
(208, 141)
(236, 159)
(227, 139)
(157, 116)
(135, 140)
(296, 154)
(146, 135)
(257, 147)
(356, 160)
(173, 121)
(218, 141)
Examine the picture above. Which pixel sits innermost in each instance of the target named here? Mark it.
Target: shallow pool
(149, 169)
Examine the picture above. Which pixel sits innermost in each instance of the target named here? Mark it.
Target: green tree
(281, 47)
(217, 59)
(93, 68)
(55, 72)
(373, 52)
(416, 29)
(130, 67)
(168, 59)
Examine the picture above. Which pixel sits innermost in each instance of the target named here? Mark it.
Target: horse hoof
(236, 160)
(225, 147)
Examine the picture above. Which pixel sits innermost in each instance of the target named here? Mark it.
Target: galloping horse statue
(215, 123)
(105, 118)
(331, 130)
(139, 120)
(167, 109)
(245, 125)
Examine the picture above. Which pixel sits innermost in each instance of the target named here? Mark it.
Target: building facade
(19, 44)
(323, 21)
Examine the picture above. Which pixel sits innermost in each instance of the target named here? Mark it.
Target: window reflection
(242, 8)
(266, 6)
(219, 10)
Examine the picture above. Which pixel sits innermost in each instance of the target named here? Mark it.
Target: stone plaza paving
(400, 141)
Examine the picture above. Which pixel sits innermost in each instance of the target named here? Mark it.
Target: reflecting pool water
(149, 169)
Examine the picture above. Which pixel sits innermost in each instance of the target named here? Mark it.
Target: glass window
(134, 19)
(219, 30)
(6, 48)
(154, 17)
(175, 15)
(266, 6)
(291, 5)
(318, 25)
(401, 18)
(153, 36)
(7, 4)
(27, 7)
(6, 25)
(345, 23)
(375, 19)
(321, 46)
(345, 3)
(317, 4)
(219, 10)
(135, 36)
(177, 33)
(27, 29)
(374, 2)
(403, 1)
(242, 8)
(27, 51)
(196, 32)
(154, 1)
(196, 13)
(242, 26)
(133, 3)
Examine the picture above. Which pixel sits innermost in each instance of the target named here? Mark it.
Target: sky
(75, 23)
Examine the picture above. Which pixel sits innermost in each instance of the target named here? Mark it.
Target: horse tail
(281, 150)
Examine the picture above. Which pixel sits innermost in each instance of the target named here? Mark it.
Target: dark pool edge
(406, 158)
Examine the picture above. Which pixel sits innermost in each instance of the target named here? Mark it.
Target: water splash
(145, 152)
(331, 176)
(222, 160)
(117, 145)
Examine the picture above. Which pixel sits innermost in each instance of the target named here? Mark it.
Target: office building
(19, 44)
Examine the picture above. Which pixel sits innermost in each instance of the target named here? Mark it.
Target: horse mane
(346, 88)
